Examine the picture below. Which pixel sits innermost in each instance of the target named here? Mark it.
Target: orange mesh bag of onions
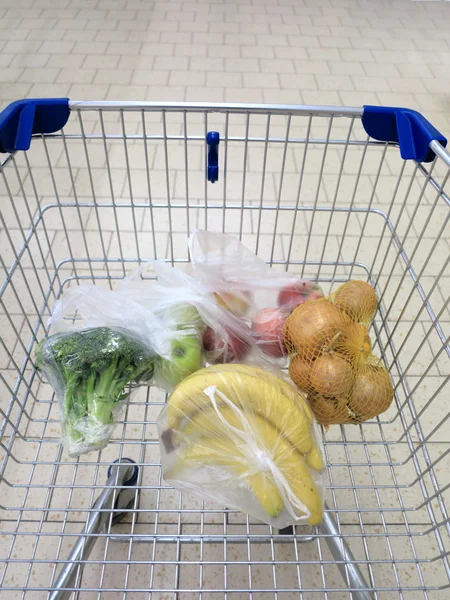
(331, 357)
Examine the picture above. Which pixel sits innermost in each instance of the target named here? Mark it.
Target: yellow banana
(252, 394)
(254, 371)
(314, 459)
(207, 428)
(223, 453)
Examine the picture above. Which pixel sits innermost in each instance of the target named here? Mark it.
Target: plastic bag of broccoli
(168, 321)
(92, 371)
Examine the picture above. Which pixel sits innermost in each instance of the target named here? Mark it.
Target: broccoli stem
(100, 392)
(74, 408)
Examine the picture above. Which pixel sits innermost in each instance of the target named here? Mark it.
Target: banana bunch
(230, 429)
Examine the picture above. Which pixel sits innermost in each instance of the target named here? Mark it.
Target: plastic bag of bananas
(245, 438)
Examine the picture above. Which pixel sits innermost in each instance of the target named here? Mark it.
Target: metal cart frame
(325, 192)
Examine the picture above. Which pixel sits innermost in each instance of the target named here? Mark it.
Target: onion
(311, 325)
(372, 393)
(357, 299)
(300, 371)
(332, 375)
(354, 343)
(327, 411)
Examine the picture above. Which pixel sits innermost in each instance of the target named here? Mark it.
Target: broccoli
(92, 369)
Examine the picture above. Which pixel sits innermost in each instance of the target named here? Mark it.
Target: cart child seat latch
(407, 127)
(23, 118)
(212, 169)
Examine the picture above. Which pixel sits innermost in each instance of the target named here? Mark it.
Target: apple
(299, 292)
(237, 302)
(267, 326)
(225, 349)
(186, 357)
(186, 316)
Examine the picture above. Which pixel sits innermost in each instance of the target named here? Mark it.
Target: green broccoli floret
(92, 369)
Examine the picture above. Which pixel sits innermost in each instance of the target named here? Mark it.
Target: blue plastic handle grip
(404, 126)
(23, 118)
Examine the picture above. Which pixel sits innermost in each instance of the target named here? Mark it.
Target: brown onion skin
(372, 393)
(329, 412)
(332, 376)
(354, 343)
(357, 299)
(311, 326)
(300, 373)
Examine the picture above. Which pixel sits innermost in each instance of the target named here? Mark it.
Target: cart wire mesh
(307, 190)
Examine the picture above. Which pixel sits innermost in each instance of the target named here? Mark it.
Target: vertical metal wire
(263, 183)
(405, 235)
(249, 558)
(225, 172)
(316, 199)
(30, 217)
(108, 527)
(280, 188)
(244, 174)
(149, 187)
(349, 213)
(385, 225)
(178, 549)
(130, 186)
(417, 245)
(94, 198)
(336, 193)
(111, 188)
(44, 226)
(8, 278)
(366, 216)
(186, 173)
(425, 304)
(202, 533)
(169, 201)
(299, 191)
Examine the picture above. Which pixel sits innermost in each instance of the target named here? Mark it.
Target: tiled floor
(96, 212)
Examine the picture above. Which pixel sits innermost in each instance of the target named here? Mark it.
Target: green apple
(186, 357)
(186, 316)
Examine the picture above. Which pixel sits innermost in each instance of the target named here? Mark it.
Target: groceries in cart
(243, 436)
(331, 357)
(104, 345)
(260, 297)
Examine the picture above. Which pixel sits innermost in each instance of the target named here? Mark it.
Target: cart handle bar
(408, 128)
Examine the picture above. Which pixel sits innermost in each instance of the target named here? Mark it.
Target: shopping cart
(326, 193)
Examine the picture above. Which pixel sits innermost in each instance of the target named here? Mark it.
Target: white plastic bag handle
(262, 458)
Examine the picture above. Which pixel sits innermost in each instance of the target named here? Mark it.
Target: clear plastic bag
(230, 294)
(168, 326)
(183, 304)
(92, 372)
(242, 283)
(245, 438)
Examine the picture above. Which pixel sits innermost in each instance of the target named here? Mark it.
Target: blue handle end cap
(22, 119)
(404, 126)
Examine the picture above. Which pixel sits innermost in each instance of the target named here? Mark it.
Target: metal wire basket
(317, 191)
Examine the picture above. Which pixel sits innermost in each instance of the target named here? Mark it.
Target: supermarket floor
(292, 51)
(328, 52)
